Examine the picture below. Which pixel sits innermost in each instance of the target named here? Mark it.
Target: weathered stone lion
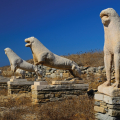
(111, 22)
(41, 55)
(17, 62)
(21, 72)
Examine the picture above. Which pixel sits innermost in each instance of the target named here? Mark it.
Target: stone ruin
(16, 62)
(107, 99)
(41, 90)
(43, 56)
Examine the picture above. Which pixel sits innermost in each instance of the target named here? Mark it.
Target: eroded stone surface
(16, 86)
(46, 95)
(107, 99)
(41, 55)
(107, 107)
(41, 83)
(21, 72)
(109, 90)
(62, 82)
(113, 112)
(61, 87)
(99, 109)
(17, 62)
(101, 116)
(111, 23)
(113, 106)
(98, 96)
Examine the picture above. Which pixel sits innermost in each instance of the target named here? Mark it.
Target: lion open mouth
(28, 43)
(104, 16)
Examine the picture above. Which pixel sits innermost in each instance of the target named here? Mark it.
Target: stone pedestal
(19, 86)
(67, 82)
(42, 92)
(109, 90)
(40, 79)
(39, 85)
(107, 107)
(3, 82)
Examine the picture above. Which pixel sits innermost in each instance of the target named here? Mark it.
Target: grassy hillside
(80, 108)
(92, 58)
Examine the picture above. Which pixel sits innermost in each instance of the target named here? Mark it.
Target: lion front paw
(107, 83)
(116, 84)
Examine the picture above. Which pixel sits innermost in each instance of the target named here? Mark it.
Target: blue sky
(63, 26)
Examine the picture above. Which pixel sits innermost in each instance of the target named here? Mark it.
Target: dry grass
(3, 92)
(9, 74)
(20, 108)
(77, 108)
(80, 108)
(30, 61)
(95, 81)
(92, 58)
(5, 68)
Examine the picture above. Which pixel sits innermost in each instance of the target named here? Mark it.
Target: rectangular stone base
(100, 116)
(107, 99)
(40, 83)
(109, 90)
(18, 80)
(107, 107)
(62, 82)
(45, 93)
(60, 87)
(67, 82)
(19, 86)
(3, 83)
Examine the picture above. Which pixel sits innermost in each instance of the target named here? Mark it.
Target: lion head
(7, 50)
(107, 15)
(29, 41)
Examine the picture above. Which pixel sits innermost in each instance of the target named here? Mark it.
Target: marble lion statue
(111, 23)
(41, 55)
(21, 72)
(16, 62)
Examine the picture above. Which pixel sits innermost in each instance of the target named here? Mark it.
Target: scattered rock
(91, 92)
(99, 80)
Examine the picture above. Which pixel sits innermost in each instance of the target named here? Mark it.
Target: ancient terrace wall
(3, 82)
(54, 73)
(107, 107)
(19, 86)
(42, 92)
